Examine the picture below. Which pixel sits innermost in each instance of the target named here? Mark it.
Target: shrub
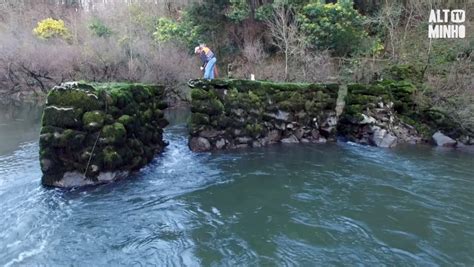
(52, 28)
(335, 26)
(99, 28)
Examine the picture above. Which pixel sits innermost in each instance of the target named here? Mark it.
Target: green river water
(336, 204)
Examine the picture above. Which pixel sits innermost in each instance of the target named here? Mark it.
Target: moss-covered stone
(250, 110)
(112, 158)
(62, 117)
(199, 94)
(114, 134)
(126, 120)
(254, 130)
(89, 129)
(199, 119)
(93, 120)
(75, 95)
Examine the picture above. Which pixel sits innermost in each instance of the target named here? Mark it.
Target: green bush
(99, 28)
(239, 10)
(335, 26)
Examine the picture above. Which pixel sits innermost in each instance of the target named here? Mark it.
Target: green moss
(254, 98)
(64, 146)
(62, 117)
(254, 129)
(199, 119)
(131, 109)
(71, 139)
(87, 100)
(93, 120)
(199, 94)
(211, 107)
(114, 134)
(147, 115)
(126, 120)
(112, 158)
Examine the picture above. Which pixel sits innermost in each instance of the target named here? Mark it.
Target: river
(310, 205)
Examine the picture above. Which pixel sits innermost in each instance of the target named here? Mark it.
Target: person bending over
(208, 59)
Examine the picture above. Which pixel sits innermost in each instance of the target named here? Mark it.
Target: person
(208, 60)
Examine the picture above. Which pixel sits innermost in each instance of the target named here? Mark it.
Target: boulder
(367, 119)
(382, 138)
(209, 133)
(199, 144)
(274, 136)
(442, 140)
(279, 115)
(220, 143)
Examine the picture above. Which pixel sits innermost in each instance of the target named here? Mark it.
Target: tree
(283, 28)
(335, 26)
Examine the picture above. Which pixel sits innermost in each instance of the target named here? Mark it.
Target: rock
(105, 130)
(388, 141)
(367, 119)
(62, 116)
(220, 143)
(243, 140)
(382, 138)
(256, 144)
(331, 121)
(209, 134)
(321, 140)
(46, 165)
(442, 140)
(255, 113)
(328, 127)
(274, 136)
(77, 179)
(114, 134)
(242, 146)
(238, 112)
(280, 126)
(126, 120)
(93, 120)
(199, 144)
(279, 115)
(315, 134)
(290, 139)
(299, 133)
(237, 132)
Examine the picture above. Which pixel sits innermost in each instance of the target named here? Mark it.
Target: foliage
(170, 30)
(338, 27)
(264, 12)
(99, 28)
(239, 10)
(51, 28)
(167, 30)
